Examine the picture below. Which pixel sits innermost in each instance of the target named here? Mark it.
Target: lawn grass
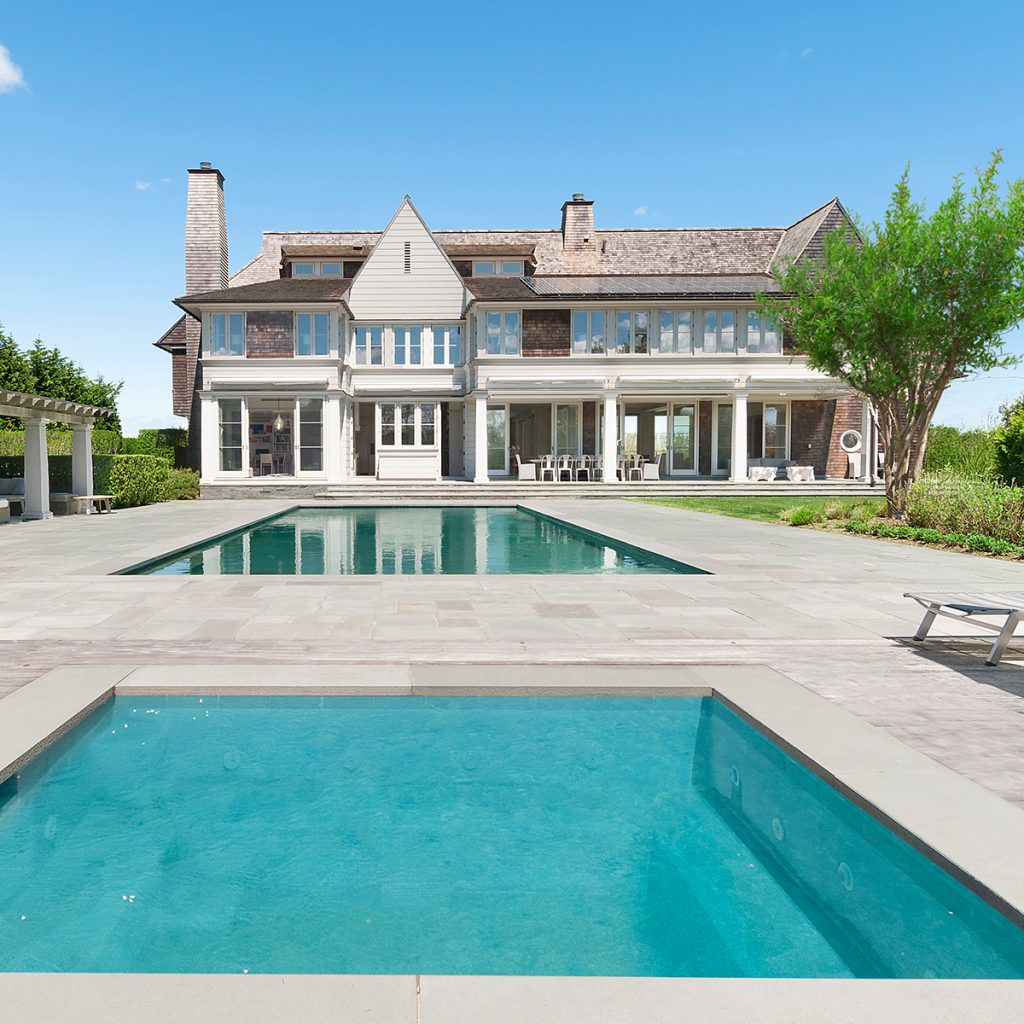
(763, 509)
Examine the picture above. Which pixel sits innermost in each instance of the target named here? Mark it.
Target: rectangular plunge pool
(619, 836)
(408, 541)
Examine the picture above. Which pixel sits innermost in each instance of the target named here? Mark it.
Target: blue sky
(323, 115)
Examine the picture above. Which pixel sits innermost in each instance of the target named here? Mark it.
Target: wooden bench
(94, 503)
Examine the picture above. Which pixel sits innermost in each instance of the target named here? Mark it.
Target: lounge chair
(1008, 605)
(526, 471)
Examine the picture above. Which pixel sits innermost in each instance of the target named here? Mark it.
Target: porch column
(81, 458)
(480, 439)
(334, 438)
(209, 433)
(610, 440)
(37, 471)
(867, 448)
(739, 438)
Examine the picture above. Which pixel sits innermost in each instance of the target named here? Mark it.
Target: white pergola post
(37, 471)
(866, 446)
(333, 437)
(480, 439)
(81, 459)
(739, 437)
(209, 433)
(610, 440)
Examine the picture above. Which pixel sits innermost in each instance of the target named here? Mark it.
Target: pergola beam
(19, 405)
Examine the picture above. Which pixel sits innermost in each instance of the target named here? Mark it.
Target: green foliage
(1008, 441)
(180, 485)
(953, 505)
(58, 442)
(900, 309)
(60, 471)
(964, 453)
(925, 535)
(762, 508)
(46, 371)
(804, 515)
(137, 480)
(168, 443)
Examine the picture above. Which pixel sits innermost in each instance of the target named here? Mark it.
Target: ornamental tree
(900, 309)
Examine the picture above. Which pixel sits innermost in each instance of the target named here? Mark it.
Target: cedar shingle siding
(269, 335)
(546, 332)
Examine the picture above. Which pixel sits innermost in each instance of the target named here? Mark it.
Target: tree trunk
(905, 438)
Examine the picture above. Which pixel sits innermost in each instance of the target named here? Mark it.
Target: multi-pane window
(407, 424)
(408, 346)
(501, 268)
(227, 334)
(312, 334)
(588, 331)
(330, 270)
(762, 335)
(503, 334)
(719, 330)
(230, 435)
(311, 444)
(317, 268)
(776, 431)
(632, 329)
(303, 269)
(675, 331)
(370, 346)
(447, 345)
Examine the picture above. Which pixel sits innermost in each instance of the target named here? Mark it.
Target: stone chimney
(206, 270)
(578, 225)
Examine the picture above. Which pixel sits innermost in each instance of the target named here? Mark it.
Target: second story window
(503, 334)
(675, 331)
(719, 330)
(588, 331)
(330, 270)
(762, 335)
(312, 334)
(370, 346)
(408, 346)
(303, 269)
(501, 268)
(632, 329)
(447, 345)
(227, 334)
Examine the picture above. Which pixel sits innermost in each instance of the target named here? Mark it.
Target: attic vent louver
(408, 257)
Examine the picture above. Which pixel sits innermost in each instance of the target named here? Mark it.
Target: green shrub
(168, 443)
(1009, 447)
(954, 505)
(963, 453)
(926, 535)
(59, 441)
(180, 485)
(804, 515)
(137, 479)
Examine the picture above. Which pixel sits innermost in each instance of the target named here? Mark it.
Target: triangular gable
(805, 239)
(407, 276)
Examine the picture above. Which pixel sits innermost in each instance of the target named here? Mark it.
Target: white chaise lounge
(1005, 604)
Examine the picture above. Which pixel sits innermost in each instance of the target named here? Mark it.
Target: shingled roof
(298, 290)
(173, 339)
(622, 286)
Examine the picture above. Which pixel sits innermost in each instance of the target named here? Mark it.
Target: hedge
(970, 507)
(58, 442)
(926, 535)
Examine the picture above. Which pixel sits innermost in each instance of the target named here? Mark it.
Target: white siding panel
(382, 291)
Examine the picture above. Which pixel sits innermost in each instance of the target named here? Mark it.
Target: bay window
(675, 331)
(408, 424)
(762, 335)
(719, 330)
(632, 328)
(503, 334)
(227, 334)
(408, 346)
(312, 334)
(370, 346)
(447, 345)
(588, 331)
(230, 435)
(311, 443)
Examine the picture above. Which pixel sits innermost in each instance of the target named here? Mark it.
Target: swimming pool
(458, 835)
(407, 541)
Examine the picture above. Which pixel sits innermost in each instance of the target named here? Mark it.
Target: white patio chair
(266, 463)
(526, 471)
(564, 465)
(635, 467)
(585, 465)
(547, 467)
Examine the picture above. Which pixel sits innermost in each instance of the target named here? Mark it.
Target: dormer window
(330, 270)
(303, 269)
(318, 268)
(497, 268)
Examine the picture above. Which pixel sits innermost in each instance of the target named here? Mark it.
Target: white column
(610, 440)
(739, 437)
(480, 439)
(209, 425)
(334, 438)
(866, 447)
(37, 471)
(81, 459)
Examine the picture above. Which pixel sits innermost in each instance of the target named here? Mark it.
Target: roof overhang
(24, 406)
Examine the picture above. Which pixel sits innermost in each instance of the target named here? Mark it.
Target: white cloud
(143, 185)
(11, 77)
(165, 181)
(806, 53)
(640, 211)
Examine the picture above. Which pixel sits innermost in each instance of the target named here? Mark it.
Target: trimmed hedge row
(58, 442)
(926, 535)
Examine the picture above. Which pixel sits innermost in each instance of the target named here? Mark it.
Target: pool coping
(970, 832)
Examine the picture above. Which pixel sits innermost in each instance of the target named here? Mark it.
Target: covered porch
(36, 412)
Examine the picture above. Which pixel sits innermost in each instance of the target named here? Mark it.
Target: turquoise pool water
(615, 836)
(406, 541)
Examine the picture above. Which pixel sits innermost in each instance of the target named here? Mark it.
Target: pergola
(35, 411)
